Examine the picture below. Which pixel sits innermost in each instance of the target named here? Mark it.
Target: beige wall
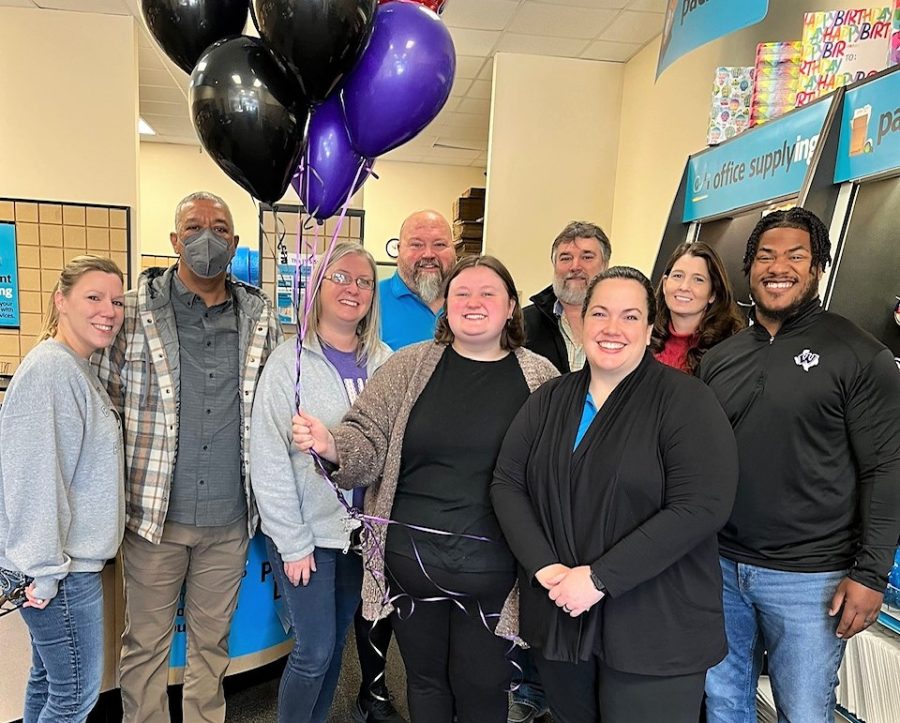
(169, 172)
(68, 124)
(664, 121)
(552, 155)
(402, 188)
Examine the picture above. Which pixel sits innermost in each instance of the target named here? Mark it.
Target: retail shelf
(890, 620)
(847, 715)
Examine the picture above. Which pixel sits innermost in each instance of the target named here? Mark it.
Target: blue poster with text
(692, 23)
(769, 162)
(870, 129)
(9, 277)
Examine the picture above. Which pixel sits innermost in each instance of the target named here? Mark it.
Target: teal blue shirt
(405, 318)
(587, 416)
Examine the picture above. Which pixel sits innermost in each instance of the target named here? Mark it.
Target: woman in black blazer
(610, 487)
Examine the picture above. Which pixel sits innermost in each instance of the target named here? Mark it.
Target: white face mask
(206, 253)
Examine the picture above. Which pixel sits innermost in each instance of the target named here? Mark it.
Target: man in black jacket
(553, 321)
(553, 329)
(814, 402)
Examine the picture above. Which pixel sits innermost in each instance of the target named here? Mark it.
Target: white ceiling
(610, 30)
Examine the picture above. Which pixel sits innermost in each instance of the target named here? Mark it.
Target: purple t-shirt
(354, 377)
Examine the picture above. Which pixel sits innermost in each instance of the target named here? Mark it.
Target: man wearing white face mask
(183, 372)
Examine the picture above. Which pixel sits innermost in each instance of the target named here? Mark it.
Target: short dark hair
(622, 272)
(799, 218)
(582, 229)
(513, 334)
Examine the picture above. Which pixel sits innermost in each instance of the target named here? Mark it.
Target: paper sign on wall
(9, 277)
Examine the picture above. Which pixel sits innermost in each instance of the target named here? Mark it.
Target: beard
(810, 291)
(573, 295)
(427, 284)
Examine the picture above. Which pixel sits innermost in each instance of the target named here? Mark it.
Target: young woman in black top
(610, 487)
(425, 435)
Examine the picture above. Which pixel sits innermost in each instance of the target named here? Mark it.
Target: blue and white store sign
(870, 130)
(769, 162)
(9, 277)
(692, 23)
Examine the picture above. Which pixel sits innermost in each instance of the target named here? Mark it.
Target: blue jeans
(530, 690)
(784, 614)
(66, 652)
(320, 614)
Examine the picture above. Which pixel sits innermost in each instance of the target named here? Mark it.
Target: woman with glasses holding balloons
(308, 529)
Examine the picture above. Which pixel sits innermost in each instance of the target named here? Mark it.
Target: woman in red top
(696, 307)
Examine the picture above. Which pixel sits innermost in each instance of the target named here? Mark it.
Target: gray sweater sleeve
(272, 462)
(42, 438)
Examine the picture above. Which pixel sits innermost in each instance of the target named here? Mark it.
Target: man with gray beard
(553, 321)
(411, 299)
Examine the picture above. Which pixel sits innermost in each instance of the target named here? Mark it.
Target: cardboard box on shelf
(480, 192)
(468, 209)
(468, 230)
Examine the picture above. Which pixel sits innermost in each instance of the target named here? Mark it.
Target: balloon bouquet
(329, 86)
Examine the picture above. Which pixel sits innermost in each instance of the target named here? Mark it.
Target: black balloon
(185, 29)
(251, 115)
(321, 39)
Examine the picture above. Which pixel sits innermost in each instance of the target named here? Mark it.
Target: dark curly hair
(799, 218)
(513, 334)
(722, 318)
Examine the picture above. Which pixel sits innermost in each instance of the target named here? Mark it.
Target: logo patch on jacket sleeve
(806, 359)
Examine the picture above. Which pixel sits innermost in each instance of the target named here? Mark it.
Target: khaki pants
(210, 562)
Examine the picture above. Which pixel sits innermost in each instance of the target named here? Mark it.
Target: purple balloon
(326, 179)
(402, 79)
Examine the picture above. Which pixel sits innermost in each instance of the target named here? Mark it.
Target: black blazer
(542, 333)
(640, 500)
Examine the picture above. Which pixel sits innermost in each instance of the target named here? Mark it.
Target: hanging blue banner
(9, 277)
(692, 23)
(771, 161)
(870, 129)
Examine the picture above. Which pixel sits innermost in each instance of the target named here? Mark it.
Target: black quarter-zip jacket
(816, 414)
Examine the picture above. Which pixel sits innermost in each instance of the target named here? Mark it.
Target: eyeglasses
(342, 279)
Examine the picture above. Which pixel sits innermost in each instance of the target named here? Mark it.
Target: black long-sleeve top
(639, 500)
(816, 414)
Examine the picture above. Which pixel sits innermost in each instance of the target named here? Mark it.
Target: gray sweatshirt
(62, 503)
(298, 509)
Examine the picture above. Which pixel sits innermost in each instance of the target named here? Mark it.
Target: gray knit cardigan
(369, 441)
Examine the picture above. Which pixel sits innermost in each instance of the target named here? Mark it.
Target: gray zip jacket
(298, 508)
(62, 493)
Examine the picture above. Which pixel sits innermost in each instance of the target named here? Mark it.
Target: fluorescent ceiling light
(144, 128)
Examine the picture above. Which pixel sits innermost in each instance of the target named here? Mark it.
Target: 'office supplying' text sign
(768, 162)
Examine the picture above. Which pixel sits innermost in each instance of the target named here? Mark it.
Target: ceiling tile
(163, 93)
(480, 90)
(460, 86)
(487, 72)
(587, 4)
(634, 27)
(656, 6)
(474, 42)
(106, 7)
(561, 21)
(475, 107)
(469, 66)
(16, 4)
(607, 50)
(480, 14)
(539, 45)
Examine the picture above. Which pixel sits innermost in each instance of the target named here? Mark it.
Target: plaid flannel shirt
(141, 373)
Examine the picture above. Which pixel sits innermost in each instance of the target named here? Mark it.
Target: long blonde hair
(68, 277)
(369, 328)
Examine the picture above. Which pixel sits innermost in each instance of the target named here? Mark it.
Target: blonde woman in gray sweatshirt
(307, 528)
(62, 491)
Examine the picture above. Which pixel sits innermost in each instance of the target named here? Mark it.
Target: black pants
(590, 691)
(454, 663)
(372, 643)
